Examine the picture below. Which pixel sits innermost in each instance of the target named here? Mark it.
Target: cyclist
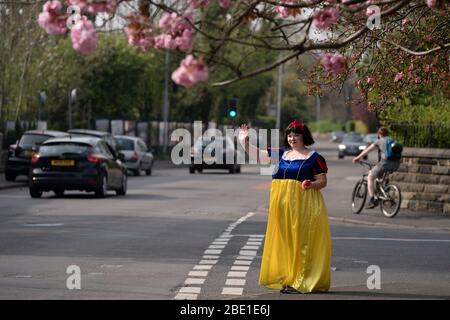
(381, 167)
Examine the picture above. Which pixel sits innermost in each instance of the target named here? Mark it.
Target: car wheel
(123, 188)
(148, 172)
(191, 170)
(238, 170)
(340, 156)
(232, 169)
(200, 170)
(9, 176)
(59, 193)
(103, 188)
(137, 172)
(35, 192)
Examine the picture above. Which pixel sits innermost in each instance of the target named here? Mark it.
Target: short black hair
(304, 131)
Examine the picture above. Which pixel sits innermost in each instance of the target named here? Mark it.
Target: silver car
(352, 144)
(137, 155)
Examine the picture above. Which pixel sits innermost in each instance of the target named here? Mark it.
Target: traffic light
(232, 108)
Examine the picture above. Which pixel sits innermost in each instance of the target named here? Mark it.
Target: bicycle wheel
(359, 196)
(391, 204)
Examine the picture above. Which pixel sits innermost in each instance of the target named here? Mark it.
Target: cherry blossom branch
(416, 53)
(321, 46)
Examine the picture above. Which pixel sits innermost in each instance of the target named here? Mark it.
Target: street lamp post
(165, 112)
(72, 98)
(42, 98)
(279, 95)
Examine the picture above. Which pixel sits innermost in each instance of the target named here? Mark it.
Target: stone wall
(424, 180)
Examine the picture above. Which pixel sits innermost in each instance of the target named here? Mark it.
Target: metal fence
(431, 135)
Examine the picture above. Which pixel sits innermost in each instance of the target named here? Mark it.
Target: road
(182, 236)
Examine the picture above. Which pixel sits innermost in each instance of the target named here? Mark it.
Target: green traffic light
(232, 113)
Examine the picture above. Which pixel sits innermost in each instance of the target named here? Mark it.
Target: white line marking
(254, 243)
(42, 224)
(247, 253)
(391, 239)
(235, 282)
(213, 251)
(211, 257)
(202, 267)
(111, 266)
(240, 268)
(233, 291)
(198, 273)
(250, 247)
(216, 246)
(245, 258)
(190, 290)
(236, 274)
(194, 281)
(184, 296)
(208, 261)
(220, 242)
(23, 276)
(247, 263)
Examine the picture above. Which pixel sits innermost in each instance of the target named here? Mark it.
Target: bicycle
(387, 195)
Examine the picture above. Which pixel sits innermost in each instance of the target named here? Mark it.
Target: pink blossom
(190, 72)
(418, 80)
(139, 32)
(225, 3)
(83, 35)
(95, 6)
(406, 21)
(51, 19)
(285, 12)
(326, 17)
(370, 80)
(398, 77)
(198, 3)
(165, 41)
(333, 63)
(177, 31)
(432, 3)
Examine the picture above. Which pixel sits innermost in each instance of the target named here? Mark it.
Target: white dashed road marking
(199, 272)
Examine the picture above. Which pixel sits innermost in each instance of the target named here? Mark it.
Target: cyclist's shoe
(372, 203)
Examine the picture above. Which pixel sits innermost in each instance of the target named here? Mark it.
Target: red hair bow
(295, 123)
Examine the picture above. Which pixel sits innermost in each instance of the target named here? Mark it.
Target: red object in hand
(306, 183)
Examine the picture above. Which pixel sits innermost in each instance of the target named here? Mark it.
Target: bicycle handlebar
(370, 165)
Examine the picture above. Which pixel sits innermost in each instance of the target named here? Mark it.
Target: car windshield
(352, 138)
(125, 144)
(371, 137)
(63, 148)
(32, 139)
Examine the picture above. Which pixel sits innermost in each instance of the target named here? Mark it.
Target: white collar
(298, 158)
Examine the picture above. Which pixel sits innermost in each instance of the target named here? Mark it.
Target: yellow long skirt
(297, 248)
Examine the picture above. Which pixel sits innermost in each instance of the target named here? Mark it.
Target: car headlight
(361, 147)
(342, 147)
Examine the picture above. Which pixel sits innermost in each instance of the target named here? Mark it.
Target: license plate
(63, 163)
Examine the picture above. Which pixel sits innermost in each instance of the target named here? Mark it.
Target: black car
(213, 155)
(108, 137)
(19, 154)
(77, 163)
(352, 144)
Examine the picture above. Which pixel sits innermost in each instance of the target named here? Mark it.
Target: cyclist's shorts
(384, 166)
